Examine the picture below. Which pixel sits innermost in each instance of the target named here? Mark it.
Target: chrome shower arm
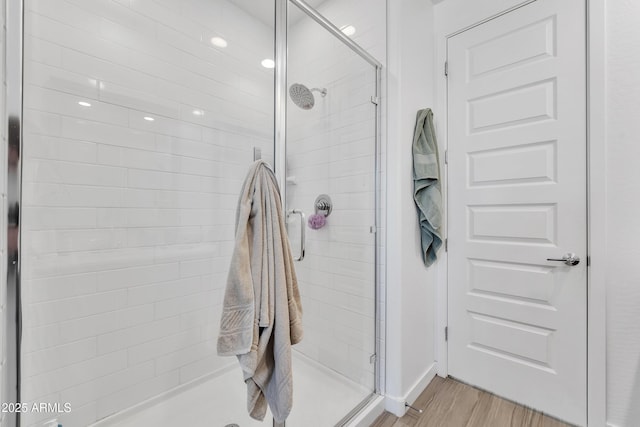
(323, 91)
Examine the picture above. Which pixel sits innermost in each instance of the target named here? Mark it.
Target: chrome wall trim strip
(377, 218)
(335, 31)
(280, 106)
(280, 98)
(13, 329)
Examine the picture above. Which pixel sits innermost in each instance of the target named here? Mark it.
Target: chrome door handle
(302, 231)
(570, 259)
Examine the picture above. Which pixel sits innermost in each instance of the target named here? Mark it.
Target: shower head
(302, 96)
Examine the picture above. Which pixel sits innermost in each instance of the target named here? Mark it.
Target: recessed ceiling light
(198, 113)
(268, 63)
(149, 119)
(84, 103)
(348, 30)
(219, 42)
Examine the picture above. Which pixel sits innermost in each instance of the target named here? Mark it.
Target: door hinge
(588, 260)
(372, 358)
(446, 333)
(446, 157)
(446, 245)
(375, 100)
(446, 68)
(373, 229)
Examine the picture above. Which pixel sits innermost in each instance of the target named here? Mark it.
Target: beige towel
(262, 315)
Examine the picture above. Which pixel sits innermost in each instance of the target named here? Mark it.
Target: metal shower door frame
(13, 120)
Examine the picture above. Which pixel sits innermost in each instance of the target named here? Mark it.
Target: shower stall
(135, 125)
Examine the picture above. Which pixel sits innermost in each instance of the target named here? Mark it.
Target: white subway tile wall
(138, 134)
(331, 150)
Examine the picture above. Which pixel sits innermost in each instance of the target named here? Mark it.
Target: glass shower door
(141, 121)
(330, 186)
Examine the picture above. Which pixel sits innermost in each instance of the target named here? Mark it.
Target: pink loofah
(317, 221)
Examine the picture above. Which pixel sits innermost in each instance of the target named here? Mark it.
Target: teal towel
(426, 185)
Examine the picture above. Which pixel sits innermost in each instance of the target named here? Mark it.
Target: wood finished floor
(449, 403)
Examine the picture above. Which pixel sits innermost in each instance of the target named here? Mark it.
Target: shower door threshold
(346, 421)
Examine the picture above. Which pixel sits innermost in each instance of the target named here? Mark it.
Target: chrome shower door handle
(302, 231)
(569, 259)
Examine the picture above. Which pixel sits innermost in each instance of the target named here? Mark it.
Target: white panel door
(517, 196)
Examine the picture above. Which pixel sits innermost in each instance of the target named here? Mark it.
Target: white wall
(623, 213)
(128, 223)
(410, 286)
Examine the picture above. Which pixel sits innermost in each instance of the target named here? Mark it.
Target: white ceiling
(264, 9)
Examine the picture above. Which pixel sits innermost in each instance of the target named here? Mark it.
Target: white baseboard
(396, 406)
(368, 415)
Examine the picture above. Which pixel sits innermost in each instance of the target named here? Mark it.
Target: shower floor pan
(321, 399)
